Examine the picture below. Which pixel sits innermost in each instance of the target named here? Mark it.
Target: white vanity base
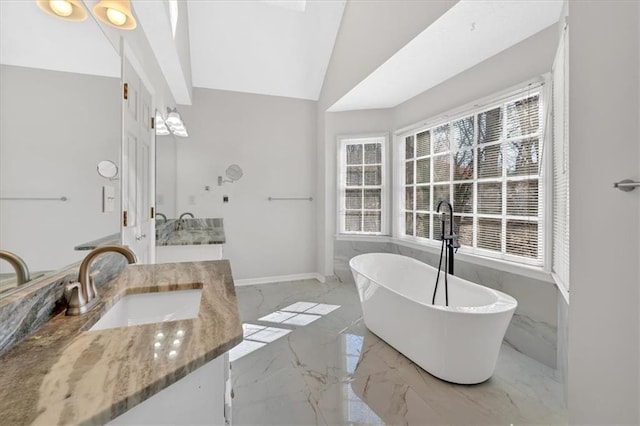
(203, 397)
(188, 253)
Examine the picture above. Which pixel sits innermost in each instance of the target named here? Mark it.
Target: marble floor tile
(333, 371)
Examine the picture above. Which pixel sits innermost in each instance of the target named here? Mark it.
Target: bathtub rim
(503, 303)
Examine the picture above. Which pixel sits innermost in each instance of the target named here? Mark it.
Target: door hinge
(124, 218)
(153, 122)
(153, 212)
(126, 91)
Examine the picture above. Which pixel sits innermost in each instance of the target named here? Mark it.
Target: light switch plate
(108, 198)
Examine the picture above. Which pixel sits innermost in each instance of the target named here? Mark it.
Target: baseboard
(281, 278)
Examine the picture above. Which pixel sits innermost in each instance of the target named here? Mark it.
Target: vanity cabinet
(188, 253)
(202, 397)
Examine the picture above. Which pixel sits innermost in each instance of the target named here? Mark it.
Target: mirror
(107, 169)
(233, 172)
(60, 115)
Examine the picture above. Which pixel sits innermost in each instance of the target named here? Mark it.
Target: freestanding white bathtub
(459, 343)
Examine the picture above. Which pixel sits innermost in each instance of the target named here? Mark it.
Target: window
(487, 164)
(361, 183)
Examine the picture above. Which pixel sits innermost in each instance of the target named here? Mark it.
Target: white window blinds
(487, 164)
(560, 265)
(361, 183)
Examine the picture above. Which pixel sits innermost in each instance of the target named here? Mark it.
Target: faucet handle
(92, 291)
(73, 294)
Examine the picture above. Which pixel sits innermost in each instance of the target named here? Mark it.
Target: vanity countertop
(187, 232)
(63, 374)
(109, 239)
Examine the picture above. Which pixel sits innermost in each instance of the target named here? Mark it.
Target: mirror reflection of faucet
(162, 215)
(19, 265)
(82, 295)
(180, 221)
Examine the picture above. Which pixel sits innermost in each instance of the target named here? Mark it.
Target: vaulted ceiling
(277, 48)
(467, 34)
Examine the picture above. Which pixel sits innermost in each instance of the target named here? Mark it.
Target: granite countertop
(63, 374)
(109, 239)
(187, 232)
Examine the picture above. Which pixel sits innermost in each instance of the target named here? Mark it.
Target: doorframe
(127, 52)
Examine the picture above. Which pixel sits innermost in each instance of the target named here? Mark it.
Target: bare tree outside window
(361, 180)
(487, 165)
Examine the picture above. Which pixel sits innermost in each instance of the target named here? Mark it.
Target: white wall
(273, 140)
(528, 59)
(54, 129)
(166, 175)
(604, 138)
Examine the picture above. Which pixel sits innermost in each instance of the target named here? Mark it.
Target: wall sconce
(175, 123)
(161, 126)
(69, 10)
(116, 13)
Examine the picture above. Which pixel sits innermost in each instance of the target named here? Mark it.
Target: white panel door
(137, 165)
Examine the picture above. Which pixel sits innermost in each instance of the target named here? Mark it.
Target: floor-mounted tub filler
(458, 343)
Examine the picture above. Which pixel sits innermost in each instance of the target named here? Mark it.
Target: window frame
(545, 183)
(342, 141)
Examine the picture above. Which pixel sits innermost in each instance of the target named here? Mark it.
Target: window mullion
(503, 232)
(362, 191)
(475, 150)
(450, 123)
(414, 207)
(432, 201)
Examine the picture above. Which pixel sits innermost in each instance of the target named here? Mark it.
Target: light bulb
(173, 119)
(61, 7)
(116, 17)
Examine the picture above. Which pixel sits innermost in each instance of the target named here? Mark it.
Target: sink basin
(148, 308)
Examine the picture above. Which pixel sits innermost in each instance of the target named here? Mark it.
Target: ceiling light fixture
(116, 13)
(69, 10)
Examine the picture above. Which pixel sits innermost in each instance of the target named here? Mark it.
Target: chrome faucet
(451, 238)
(162, 216)
(22, 272)
(186, 214)
(82, 294)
